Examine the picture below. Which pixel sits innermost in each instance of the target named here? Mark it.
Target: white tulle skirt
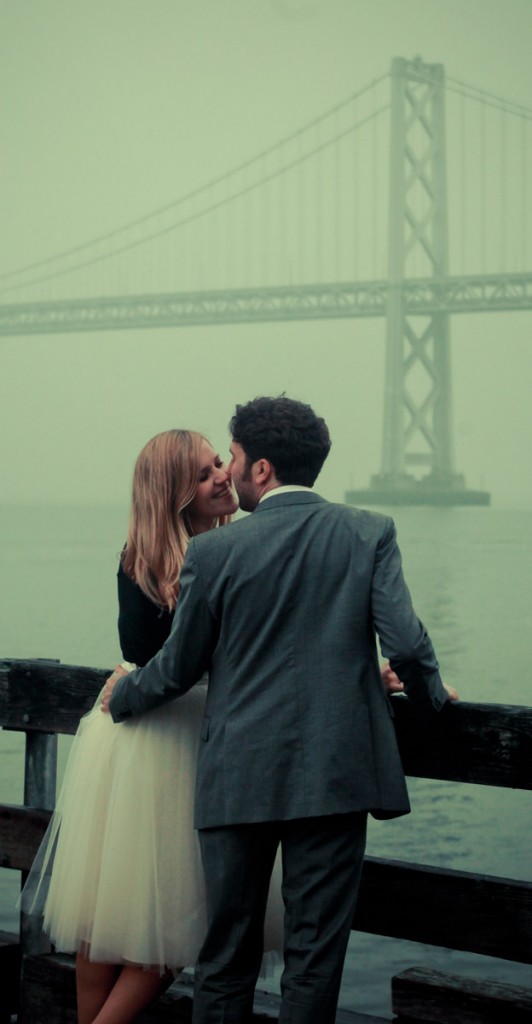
(118, 873)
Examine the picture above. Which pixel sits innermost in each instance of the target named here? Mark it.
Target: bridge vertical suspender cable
(504, 209)
(524, 179)
(483, 203)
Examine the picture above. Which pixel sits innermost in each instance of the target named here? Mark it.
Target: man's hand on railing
(390, 680)
(110, 685)
(392, 683)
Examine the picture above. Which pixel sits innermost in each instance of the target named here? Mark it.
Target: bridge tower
(417, 409)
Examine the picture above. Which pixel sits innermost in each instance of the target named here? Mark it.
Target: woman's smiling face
(214, 496)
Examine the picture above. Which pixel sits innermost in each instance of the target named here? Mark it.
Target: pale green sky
(113, 108)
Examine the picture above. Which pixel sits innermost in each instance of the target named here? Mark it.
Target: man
(298, 744)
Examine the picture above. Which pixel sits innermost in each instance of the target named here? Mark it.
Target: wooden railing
(486, 744)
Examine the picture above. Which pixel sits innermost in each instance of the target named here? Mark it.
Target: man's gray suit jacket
(282, 609)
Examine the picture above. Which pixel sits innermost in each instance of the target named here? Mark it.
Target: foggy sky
(109, 110)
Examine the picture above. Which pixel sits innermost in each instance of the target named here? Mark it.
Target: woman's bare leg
(94, 982)
(134, 990)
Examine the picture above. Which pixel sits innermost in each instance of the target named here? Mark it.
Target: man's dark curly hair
(286, 433)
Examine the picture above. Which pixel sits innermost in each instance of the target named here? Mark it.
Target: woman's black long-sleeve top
(142, 625)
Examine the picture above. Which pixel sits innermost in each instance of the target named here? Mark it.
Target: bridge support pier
(418, 404)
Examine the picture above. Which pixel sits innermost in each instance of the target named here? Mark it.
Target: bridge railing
(487, 744)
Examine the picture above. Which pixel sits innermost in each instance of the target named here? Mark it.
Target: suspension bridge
(409, 200)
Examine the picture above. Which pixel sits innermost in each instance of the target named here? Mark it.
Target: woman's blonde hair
(165, 480)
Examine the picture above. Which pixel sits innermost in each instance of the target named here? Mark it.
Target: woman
(126, 886)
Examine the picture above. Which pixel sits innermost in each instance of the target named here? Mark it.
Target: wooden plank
(47, 696)
(40, 770)
(488, 744)
(21, 831)
(9, 973)
(433, 996)
(48, 990)
(48, 994)
(459, 910)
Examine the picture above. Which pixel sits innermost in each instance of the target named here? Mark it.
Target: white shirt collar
(285, 489)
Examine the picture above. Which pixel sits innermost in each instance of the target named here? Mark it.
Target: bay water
(470, 574)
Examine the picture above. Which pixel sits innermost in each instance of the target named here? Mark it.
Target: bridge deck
(336, 300)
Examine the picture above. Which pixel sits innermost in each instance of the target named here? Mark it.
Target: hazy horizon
(110, 111)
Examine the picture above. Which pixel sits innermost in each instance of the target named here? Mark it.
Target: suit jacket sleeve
(403, 638)
(183, 658)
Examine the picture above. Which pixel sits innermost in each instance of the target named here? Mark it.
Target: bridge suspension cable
(208, 186)
(190, 218)
(491, 205)
(489, 99)
(473, 92)
(312, 207)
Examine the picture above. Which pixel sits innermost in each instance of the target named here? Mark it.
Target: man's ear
(263, 471)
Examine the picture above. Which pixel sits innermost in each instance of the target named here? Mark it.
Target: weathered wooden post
(40, 778)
